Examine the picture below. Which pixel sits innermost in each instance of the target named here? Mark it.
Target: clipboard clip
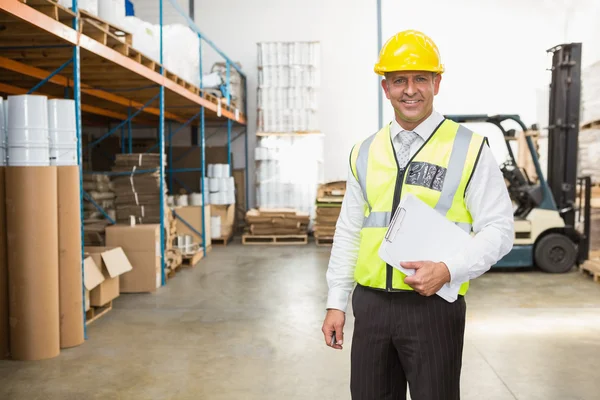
(398, 216)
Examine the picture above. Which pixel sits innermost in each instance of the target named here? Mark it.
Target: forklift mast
(563, 127)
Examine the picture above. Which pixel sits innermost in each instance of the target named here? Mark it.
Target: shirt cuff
(459, 270)
(338, 299)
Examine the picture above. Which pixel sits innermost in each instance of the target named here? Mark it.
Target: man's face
(411, 94)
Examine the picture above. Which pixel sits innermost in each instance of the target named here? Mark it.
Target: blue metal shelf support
(246, 146)
(46, 79)
(161, 141)
(202, 144)
(128, 120)
(77, 99)
(98, 207)
(170, 160)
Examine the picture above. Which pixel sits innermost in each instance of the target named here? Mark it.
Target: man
(403, 332)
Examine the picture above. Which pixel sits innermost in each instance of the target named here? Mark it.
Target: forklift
(552, 216)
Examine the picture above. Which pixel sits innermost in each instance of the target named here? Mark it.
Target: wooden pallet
(94, 313)
(221, 241)
(118, 32)
(280, 240)
(592, 268)
(324, 241)
(53, 10)
(191, 261)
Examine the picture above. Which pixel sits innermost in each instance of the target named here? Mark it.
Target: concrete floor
(245, 324)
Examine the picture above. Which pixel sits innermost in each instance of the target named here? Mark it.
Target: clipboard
(419, 233)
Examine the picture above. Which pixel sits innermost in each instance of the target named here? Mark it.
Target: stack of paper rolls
(221, 185)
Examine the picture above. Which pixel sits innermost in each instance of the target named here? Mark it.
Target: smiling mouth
(411, 101)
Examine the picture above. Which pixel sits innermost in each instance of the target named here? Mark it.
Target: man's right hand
(334, 322)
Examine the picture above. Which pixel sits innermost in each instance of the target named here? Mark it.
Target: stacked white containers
(3, 117)
(288, 79)
(220, 184)
(289, 152)
(27, 131)
(62, 132)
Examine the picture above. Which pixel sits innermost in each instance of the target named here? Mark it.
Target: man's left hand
(429, 276)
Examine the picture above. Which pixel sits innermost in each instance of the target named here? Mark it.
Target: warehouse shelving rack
(65, 53)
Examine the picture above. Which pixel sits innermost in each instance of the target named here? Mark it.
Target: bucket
(62, 138)
(2, 156)
(27, 136)
(61, 118)
(181, 200)
(230, 198)
(213, 184)
(28, 156)
(215, 227)
(211, 170)
(27, 111)
(223, 183)
(63, 155)
(214, 198)
(195, 199)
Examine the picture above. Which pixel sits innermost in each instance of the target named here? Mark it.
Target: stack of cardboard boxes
(273, 225)
(329, 203)
(138, 191)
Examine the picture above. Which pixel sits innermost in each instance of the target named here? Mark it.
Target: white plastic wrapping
(289, 170)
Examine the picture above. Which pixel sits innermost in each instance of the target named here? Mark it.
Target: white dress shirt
(486, 198)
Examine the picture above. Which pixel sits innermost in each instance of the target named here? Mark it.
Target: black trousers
(402, 338)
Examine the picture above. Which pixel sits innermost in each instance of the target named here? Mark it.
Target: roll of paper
(69, 260)
(32, 228)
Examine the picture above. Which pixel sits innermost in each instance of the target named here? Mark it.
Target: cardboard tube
(32, 228)
(69, 258)
(4, 331)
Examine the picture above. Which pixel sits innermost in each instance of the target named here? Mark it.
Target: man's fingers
(327, 332)
(412, 264)
(339, 335)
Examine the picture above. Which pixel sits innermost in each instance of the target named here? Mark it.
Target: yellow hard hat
(409, 51)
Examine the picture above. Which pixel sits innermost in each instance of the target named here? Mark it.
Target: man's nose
(410, 89)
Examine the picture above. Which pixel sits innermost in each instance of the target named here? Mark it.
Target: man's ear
(436, 83)
(385, 88)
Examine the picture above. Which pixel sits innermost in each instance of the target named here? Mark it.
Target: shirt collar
(424, 129)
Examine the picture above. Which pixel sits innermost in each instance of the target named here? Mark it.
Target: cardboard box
(113, 263)
(193, 216)
(92, 278)
(227, 214)
(87, 300)
(141, 245)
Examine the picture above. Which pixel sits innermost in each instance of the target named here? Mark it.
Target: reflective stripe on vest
(438, 174)
(361, 166)
(455, 169)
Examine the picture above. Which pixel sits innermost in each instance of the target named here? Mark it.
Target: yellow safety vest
(438, 174)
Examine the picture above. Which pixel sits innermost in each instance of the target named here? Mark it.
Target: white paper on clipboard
(419, 233)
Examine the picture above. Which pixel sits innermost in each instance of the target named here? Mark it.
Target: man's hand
(334, 322)
(428, 278)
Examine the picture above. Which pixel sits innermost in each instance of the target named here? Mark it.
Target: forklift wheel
(555, 253)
